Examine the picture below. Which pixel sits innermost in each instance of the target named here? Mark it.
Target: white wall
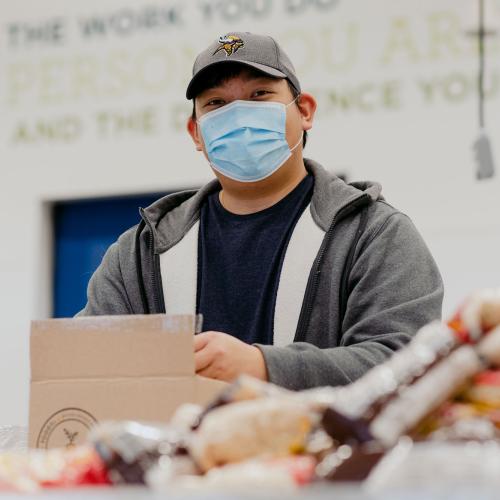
(389, 53)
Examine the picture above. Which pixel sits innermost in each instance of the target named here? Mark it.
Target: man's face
(247, 87)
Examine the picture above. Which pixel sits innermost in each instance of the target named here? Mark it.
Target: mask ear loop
(298, 142)
(301, 135)
(290, 103)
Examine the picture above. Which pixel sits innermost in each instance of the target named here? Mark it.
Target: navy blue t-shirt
(239, 264)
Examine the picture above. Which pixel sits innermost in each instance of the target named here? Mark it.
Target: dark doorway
(83, 230)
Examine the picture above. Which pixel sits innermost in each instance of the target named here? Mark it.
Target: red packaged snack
(83, 467)
(58, 468)
(479, 315)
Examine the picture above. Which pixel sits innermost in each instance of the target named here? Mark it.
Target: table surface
(328, 492)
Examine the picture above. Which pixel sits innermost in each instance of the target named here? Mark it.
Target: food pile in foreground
(443, 387)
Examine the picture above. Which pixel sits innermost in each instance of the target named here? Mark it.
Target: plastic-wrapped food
(489, 348)
(485, 390)
(474, 413)
(58, 468)
(350, 463)
(187, 417)
(412, 403)
(365, 397)
(245, 388)
(467, 429)
(283, 474)
(395, 396)
(447, 415)
(415, 402)
(460, 375)
(357, 406)
(439, 465)
(319, 444)
(270, 427)
(130, 449)
(479, 315)
(262, 421)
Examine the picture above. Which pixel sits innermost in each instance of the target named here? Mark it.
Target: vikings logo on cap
(230, 44)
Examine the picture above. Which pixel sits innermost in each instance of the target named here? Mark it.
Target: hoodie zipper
(158, 300)
(313, 281)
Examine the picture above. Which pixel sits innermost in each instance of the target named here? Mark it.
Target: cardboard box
(85, 370)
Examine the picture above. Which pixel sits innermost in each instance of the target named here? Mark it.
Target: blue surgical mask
(246, 140)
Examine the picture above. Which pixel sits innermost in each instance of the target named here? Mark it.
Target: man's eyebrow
(268, 79)
(261, 80)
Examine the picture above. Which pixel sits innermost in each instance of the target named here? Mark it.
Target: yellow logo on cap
(229, 43)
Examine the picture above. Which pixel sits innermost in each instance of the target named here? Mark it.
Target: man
(302, 280)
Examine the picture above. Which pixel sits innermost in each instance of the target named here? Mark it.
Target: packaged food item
(58, 468)
(271, 427)
(319, 444)
(445, 416)
(366, 396)
(470, 468)
(82, 467)
(130, 449)
(485, 390)
(356, 407)
(394, 397)
(245, 388)
(479, 314)
(284, 474)
(477, 429)
(187, 417)
(416, 401)
(489, 348)
(350, 463)
(472, 414)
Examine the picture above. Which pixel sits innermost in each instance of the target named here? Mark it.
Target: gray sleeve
(106, 292)
(394, 289)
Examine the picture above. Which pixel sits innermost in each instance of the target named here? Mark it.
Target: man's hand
(223, 357)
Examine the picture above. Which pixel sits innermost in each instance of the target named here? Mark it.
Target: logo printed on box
(64, 428)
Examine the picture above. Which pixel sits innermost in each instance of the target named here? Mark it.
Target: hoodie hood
(171, 217)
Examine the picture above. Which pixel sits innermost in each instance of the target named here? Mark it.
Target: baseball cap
(261, 52)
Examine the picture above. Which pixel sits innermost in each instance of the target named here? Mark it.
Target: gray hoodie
(357, 282)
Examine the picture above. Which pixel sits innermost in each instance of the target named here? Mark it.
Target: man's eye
(215, 102)
(259, 93)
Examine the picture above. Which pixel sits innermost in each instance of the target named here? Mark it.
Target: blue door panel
(83, 230)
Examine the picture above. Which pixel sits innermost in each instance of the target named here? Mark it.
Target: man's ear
(307, 106)
(194, 132)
